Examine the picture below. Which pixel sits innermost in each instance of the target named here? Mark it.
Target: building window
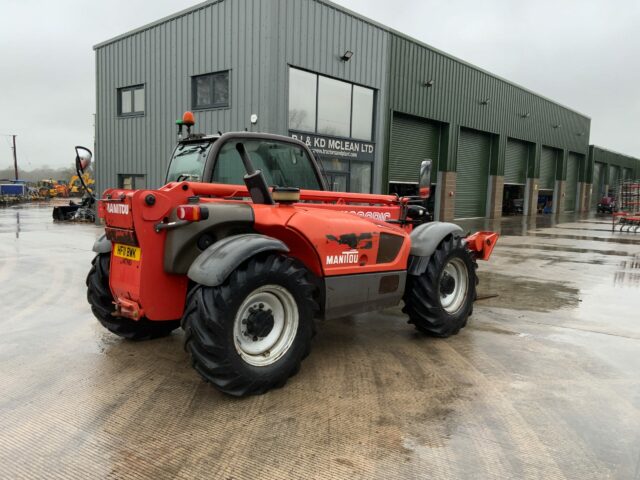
(131, 101)
(360, 180)
(210, 90)
(347, 175)
(362, 113)
(132, 181)
(302, 100)
(319, 104)
(334, 107)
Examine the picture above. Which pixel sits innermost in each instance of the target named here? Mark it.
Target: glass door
(338, 181)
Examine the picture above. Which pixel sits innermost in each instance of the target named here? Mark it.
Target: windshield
(282, 164)
(188, 162)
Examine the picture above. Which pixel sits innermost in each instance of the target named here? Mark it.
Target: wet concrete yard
(543, 383)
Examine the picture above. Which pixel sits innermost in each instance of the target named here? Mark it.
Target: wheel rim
(454, 285)
(265, 325)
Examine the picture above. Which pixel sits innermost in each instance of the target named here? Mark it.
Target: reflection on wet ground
(626, 275)
(618, 239)
(543, 382)
(564, 248)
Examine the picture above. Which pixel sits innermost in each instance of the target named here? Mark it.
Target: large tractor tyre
(251, 333)
(101, 301)
(440, 300)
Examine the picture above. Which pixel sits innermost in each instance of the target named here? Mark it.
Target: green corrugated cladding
(610, 158)
(456, 98)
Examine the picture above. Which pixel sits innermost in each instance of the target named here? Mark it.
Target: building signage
(335, 147)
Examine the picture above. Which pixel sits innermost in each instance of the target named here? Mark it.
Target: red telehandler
(244, 248)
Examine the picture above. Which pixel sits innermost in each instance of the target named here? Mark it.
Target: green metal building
(490, 137)
(371, 102)
(609, 170)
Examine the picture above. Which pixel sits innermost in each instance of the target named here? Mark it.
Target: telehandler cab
(244, 248)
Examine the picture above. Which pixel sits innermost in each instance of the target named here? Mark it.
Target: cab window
(188, 162)
(282, 164)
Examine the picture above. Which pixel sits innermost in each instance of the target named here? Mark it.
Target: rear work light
(192, 213)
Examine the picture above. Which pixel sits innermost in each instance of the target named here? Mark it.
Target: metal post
(15, 157)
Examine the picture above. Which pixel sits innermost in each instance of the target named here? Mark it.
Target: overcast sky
(584, 54)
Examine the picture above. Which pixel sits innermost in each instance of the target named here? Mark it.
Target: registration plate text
(127, 251)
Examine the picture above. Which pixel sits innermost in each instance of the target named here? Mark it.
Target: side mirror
(424, 182)
(83, 158)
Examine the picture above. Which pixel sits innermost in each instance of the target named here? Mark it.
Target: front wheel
(440, 300)
(251, 333)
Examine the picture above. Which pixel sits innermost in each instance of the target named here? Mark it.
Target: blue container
(13, 189)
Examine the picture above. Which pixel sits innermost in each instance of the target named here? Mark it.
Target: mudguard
(102, 245)
(215, 264)
(424, 240)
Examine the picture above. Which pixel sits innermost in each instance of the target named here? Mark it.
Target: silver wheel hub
(265, 325)
(454, 285)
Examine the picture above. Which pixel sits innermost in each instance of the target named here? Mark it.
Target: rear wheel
(440, 300)
(101, 301)
(251, 333)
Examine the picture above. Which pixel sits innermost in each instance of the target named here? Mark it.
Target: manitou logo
(382, 216)
(119, 208)
(345, 258)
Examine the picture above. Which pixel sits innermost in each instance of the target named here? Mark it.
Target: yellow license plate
(127, 251)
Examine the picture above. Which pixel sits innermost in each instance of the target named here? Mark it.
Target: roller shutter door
(598, 183)
(614, 177)
(474, 150)
(515, 166)
(627, 174)
(571, 185)
(547, 169)
(412, 141)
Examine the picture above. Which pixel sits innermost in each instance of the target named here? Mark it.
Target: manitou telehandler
(244, 248)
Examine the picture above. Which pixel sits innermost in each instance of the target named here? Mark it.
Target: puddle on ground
(622, 240)
(556, 259)
(583, 229)
(519, 293)
(564, 248)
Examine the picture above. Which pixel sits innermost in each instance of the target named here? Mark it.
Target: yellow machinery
(50, 188)
(47, 188)
(62, 187)
(76, 186)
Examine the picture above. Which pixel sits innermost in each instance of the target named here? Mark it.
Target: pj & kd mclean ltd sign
(343, 148)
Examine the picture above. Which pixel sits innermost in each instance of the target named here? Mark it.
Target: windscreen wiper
(185, 152)
(187, 177)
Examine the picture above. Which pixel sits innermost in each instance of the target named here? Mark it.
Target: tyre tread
(101, 301)
(421, 298)
(205, 323)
